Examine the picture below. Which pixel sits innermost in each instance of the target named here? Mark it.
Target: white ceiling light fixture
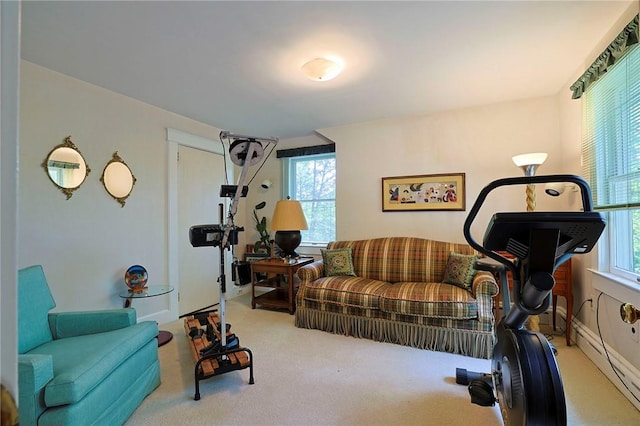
(322, 69)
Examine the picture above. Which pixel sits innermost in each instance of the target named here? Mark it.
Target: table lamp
(288, 219)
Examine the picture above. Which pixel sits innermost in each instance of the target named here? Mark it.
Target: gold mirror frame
(66, 167)
(118, 179)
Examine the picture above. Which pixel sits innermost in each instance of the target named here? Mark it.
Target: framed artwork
(250, 257)
(250, 248)
(423, 192)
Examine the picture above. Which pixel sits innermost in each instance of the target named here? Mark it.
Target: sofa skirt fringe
(469, 343)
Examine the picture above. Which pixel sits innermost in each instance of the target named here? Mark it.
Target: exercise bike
(524, 378)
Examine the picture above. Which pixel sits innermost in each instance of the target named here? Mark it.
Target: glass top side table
(149, 291)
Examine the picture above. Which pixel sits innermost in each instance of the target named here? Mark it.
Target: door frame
(175, 139)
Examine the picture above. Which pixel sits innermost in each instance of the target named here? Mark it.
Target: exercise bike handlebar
(585, 191)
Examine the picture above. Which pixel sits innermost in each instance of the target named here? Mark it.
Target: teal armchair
(80, 368)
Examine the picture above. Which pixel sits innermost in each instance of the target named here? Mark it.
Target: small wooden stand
(219, 363)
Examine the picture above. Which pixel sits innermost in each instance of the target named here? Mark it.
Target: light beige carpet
(310, 377)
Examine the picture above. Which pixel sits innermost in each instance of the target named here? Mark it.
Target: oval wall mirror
(66, 167)
(118, 179)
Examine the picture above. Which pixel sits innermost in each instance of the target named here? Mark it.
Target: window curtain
(626, 39)
(309, 150)
(611, 134)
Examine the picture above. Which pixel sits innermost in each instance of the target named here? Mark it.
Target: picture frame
(436, 192)
(250, 248)
(250, 257)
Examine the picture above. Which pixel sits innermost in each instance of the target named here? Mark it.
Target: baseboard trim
(591, 345)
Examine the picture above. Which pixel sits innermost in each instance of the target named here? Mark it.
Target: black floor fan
(524, 378)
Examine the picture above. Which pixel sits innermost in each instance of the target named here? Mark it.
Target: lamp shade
(288, 216)
(531, 159)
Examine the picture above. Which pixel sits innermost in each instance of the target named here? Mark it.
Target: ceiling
(236, 65)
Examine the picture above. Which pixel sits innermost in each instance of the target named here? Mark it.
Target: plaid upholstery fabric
(399, 259)
(347, 291)
(436, 300)
(311, 271)
(398, 297)
(374, 314)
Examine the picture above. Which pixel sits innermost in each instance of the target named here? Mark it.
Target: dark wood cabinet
(564, 288)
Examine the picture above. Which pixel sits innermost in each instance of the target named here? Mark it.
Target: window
(611, 161)
(312, 181)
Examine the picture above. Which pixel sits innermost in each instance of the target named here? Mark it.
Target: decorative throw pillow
(337, 262)
(460, 270)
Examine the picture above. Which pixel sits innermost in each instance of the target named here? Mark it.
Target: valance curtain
(627, 38)
(308, 150)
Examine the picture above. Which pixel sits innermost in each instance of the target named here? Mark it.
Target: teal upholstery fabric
(118, 395)
(83, 362)
(70, 324)
(34, 303)
(34, 372)
(92, 367)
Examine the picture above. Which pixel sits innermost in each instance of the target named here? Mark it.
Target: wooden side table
(276, 269)
(563, 288)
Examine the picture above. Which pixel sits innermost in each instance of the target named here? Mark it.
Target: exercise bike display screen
(578, 231)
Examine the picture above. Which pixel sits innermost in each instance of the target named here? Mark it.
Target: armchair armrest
(484, 290)
(484, 284)
(69, 324)
(34, 372)
(312, 271)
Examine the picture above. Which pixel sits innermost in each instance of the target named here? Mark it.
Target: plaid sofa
(398, 296)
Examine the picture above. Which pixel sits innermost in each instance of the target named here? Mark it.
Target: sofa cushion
(346, 291)
(460, 270)
(81, 363)
(34, 303)
(401, 259)
(337, 262)
(437, 300)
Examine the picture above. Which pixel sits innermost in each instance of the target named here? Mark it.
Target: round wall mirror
(66, 167)
(118, 179)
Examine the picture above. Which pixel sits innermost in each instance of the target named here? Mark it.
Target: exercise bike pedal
(464, 376)
(481, 393)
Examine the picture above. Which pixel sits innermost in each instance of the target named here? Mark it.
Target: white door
(200, 174)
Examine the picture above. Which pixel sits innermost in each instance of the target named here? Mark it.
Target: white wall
(86, 243)
(476, 141)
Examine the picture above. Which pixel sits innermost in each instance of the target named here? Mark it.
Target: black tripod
(524, 373)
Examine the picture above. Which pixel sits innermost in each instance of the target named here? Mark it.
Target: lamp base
(288, 241)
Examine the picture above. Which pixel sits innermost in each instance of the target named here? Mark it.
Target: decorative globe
(136, 277)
